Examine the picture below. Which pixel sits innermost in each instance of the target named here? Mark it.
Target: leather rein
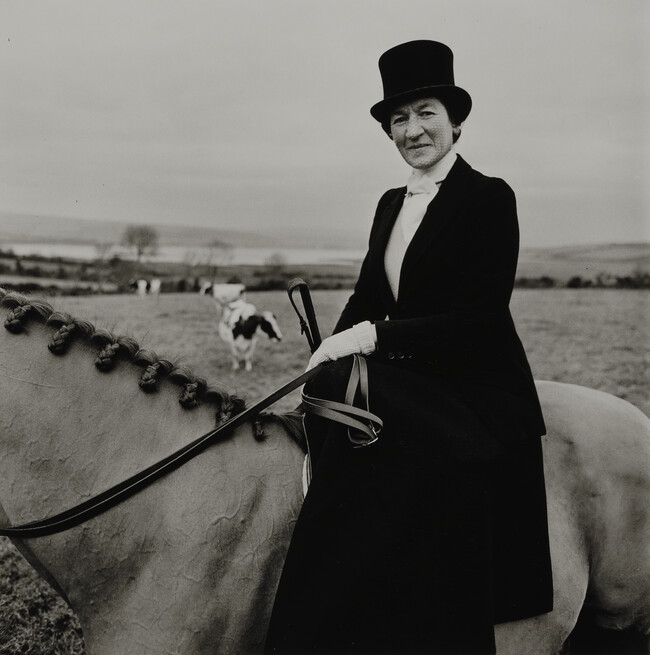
(363, 428)
(123, 490)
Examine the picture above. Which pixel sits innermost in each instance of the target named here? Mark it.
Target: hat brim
(457, 101)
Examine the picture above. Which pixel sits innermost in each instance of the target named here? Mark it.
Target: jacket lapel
(439, 212)
(384, 228)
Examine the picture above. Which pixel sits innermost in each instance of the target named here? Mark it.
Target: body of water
(182, 254)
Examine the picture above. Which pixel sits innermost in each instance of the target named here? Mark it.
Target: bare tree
(276, 263)
(102, 248)
(218, 253)
(141, 237)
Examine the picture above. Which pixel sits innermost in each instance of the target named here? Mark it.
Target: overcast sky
(255, 114)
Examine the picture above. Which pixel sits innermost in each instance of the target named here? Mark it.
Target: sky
(254, 114)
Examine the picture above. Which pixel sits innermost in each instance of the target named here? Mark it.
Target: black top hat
(419, 69)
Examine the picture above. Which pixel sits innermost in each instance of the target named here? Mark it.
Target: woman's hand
(360, 338)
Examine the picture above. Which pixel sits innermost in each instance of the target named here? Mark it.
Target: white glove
(360, 338)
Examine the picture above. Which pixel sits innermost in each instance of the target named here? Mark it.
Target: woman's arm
(364, 304)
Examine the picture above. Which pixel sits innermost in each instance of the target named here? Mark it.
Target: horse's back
(597, 461)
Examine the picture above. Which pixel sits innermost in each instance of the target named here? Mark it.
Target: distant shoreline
(180, 254)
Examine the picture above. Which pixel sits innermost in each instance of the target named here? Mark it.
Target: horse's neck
(70, 431)
(160, 568)
(191, 564)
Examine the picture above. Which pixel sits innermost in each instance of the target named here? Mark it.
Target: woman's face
(422, 131)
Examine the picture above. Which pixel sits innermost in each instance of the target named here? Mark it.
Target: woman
(423, 540)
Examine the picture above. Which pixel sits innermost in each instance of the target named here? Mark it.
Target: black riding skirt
(420, 542)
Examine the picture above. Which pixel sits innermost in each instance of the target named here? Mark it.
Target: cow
(240, 326)
(223, 293)
(145, 287)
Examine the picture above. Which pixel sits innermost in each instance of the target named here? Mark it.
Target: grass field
(598, 338)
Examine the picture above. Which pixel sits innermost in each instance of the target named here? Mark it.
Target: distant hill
(24, 228)
(588, 261)
(561, 263)
(21, 228)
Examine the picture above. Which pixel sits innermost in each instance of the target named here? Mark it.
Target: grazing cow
(154, 287)
(223, 293)
(240, 326)
(145, 287)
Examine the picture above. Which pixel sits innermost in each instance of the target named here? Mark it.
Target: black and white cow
(240, 326)
(145, 287)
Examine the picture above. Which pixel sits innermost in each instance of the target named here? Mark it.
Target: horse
(191, 563)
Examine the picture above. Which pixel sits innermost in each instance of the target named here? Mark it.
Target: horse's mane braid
(154, 369)
(111, 348)
(67, 328)
(21, 308)
(194, 390)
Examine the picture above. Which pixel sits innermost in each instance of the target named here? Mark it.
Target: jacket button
(400, 355)
(391, 355)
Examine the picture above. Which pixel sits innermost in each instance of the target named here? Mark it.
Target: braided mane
(111, 349)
